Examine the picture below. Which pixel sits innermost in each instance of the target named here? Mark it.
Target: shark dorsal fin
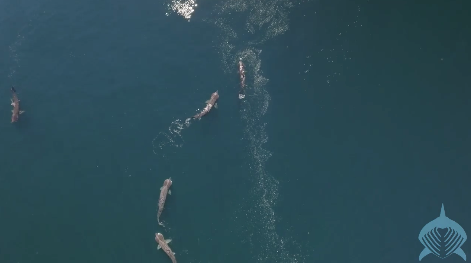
(442, 213)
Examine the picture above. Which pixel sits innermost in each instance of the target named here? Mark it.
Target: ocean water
(354, 131)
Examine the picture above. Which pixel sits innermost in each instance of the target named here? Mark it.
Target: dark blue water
(354, 131)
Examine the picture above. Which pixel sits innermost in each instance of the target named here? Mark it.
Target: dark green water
(354, 131)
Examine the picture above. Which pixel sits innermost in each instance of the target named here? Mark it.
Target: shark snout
(168, 182)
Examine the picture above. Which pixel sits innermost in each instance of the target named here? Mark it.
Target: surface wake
(172, 138)
(244, 25)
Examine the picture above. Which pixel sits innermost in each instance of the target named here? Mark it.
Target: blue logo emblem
(442, 244)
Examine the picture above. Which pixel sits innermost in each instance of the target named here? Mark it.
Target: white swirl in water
(14, 55)
(264, 20)
(260, 213)
(172, 138)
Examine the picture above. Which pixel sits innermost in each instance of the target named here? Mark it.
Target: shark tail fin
(460, 253)
(424, 253)
(13, 89)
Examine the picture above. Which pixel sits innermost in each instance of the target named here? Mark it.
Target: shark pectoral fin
(215, 105)
(460, 253)
(161, 188)
(173, 253)
(170, 192)
(424, 253)
(206, 102)
(158, 247)
(22, 111)
(168, 241)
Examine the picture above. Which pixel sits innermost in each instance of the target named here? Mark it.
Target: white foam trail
(259, 210)
(264, 20)
(15, 46)
(171, 138)
(14, 55)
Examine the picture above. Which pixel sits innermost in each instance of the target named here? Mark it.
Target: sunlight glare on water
(183, 8)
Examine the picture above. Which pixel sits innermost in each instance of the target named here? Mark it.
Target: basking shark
(164, 190)
(15, 102)
(163, 244)
(440, 245)
(209, 104)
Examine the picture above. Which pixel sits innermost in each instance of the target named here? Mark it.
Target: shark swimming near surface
(163, 243)
(15, 102)
(209, 105)
(164, 190)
